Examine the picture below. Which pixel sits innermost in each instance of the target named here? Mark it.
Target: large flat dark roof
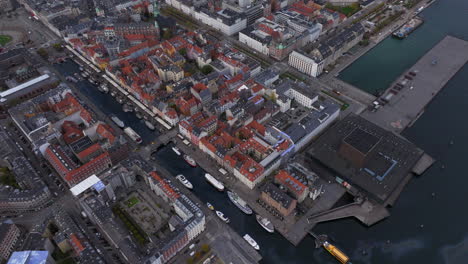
(361, 140)
(389, 159)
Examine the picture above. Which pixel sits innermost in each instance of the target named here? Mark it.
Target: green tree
(43, 53)
(205, 248)
(58, 47)
(206, 69)
(183, 52)
(167, 34)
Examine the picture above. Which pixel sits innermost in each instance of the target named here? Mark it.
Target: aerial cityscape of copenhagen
(233, 131)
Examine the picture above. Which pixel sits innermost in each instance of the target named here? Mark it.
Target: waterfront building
(276, 198)
(294, 185)
(327, 52)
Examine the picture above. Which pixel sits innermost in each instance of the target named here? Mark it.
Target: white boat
(265, 223)
(149, 125)
(126, 108)
(239, 202)
(138, 115)
(210, 206)
(190, 160)
(176, 150)
(133, 135)
(223, 217)
(120, 100)
(184, 181)
(105, 88)
(81, 68)
(113, 93)
(251, 241)
(83, 74)
(117, 121)
(71, 79)
(217, 184)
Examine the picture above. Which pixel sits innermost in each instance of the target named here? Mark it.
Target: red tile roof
(290, 182)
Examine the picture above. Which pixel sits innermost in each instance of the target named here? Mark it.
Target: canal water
(107, 104)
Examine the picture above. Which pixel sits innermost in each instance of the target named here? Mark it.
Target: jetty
(406, 99)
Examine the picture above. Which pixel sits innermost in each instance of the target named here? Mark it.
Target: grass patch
(8, 178)
(134, 229)
(62, 258)
(132, 201)
(348, 10)
(4, 39)
(387, 22)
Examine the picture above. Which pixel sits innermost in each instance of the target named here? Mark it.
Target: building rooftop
(377, 161)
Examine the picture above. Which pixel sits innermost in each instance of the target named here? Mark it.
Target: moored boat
(251, 241)
(184, 181)
(138, 115)
(217, 184)
(210, 206)
(239, 202)
(113, 93)
(176, 150)
(117, 121)
(133, 135)
(223, 217)
(190, 160)
(105, 88)
(149, 125)
(265, 223)
(126, 108)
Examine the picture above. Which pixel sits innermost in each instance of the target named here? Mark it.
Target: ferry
(133, 135)
(126, 108)
(408, 28)
(117, 121)
(217, 184)
(265, 223)
(190, 160)
(251, 241)
(176, 150)
(211, 207)
(223, 217)
(334, 251)
(149, 125)
(241, 204)
(184, 181)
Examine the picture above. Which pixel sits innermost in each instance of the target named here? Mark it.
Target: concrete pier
(405, 100)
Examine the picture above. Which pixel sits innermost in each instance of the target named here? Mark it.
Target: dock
(406, 99)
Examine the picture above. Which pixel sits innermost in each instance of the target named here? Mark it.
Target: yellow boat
(338, 254)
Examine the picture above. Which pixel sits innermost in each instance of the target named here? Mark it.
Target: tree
(167, 34)
(43, 53)
(206, 69)
(205, 248)
(58, 47)
(183, 52)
